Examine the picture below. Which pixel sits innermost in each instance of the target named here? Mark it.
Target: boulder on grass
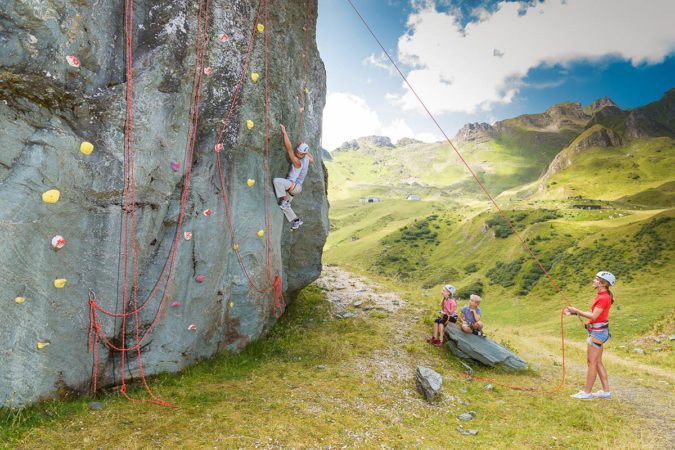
(428, 382)
(486, 351)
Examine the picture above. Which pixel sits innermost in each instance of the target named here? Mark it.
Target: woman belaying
(598, 334)
(287, 188)
(448, 314)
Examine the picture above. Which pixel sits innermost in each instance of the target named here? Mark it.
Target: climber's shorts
(598, 337)
(443, 320)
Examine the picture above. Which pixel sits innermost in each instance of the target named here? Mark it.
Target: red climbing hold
(192, 327)
(187, 235)
(175, 166)
(208, 70)
(200, 278)
(175, 305)
(73, 61)
(223, 37)
(207, 212)
(219, 147)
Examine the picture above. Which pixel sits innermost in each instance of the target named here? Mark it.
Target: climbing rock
(48, 107)
(484, 350)
(428, 382)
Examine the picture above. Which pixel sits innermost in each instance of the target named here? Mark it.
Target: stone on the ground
(346, 315)
(358, 303)
(467, 415)
(639, 351)
(96, 406)
(428, 382)
(489, 387)
(481, 349)
(468, 432)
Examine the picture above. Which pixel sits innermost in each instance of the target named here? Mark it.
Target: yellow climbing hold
(249, 124)
(20, 300)
(231, 305)
(60, 283)
(250, 182)
(260, 28)
(235, 247)
(261, 233)
(86, 147)
(51, 196)
(42, 344)
(255, 76)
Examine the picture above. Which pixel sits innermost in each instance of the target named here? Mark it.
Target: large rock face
(47, 108)
(481, 349)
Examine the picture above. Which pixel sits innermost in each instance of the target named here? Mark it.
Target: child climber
(471, 315)
(286, 188)
(598, 334)
(448, 314)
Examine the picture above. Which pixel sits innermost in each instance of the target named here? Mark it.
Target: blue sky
(482, 61)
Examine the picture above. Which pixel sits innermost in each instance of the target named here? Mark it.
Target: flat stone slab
(484, 350)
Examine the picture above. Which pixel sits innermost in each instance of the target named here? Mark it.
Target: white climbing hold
(20, 300)
(187, 235)
(51, 196)
(58, 242)
(260, 28)
(250, 182)
(249, 124)
(255, 76)
(73, 61)
(60, 283)
(86, 147)
(219, 147)
(207, 212)
(192, 327)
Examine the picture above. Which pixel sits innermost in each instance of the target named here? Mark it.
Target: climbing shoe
(438, 343)
(296, 224)
(581, 395)
(284, 204)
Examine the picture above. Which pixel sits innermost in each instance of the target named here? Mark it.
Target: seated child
(471, 315)
(448, 314)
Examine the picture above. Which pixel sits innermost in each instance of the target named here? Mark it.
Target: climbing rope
(523, 242)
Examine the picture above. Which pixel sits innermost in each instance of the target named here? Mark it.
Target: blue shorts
(598, 337)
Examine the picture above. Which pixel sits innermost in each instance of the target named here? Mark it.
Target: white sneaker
(296, 224)
(284, 205)
(581, 395)
(602, 394)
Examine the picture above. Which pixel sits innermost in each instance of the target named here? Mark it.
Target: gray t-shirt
(296, 175)
(468, 315)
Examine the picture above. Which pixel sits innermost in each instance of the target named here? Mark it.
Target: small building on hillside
(587, 206)
(369, 200)
(414, 198)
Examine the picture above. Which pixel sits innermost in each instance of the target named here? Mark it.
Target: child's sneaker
(431, 340)
(581, 395)
(438, 343)
(284, 205)
(296, 224)
(602, 394)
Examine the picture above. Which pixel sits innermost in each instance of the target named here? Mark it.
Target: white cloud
(348, 116)
(457, 69)
(381, 62)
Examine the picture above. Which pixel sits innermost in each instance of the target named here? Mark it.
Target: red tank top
(604, 301)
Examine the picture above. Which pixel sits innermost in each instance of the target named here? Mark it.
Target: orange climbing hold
(86, 147)
(60, 283)
(51, 196)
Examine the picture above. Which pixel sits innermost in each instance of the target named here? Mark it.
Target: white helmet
(608, 277)
(303, 148)
(450, 288)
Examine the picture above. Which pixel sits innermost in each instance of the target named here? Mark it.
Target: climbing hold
(200, 278)
(175, 305)
(51, 196)
(306, 91)
(231, 305)
(235, 247)
(260, 28)
(192, 327)
(58, 242)
(86, 147)
(187, 235)
(208, 70)
(255, 76)
(219, 147)
(60, 283)
(261, 233)
(207, 212)
(249, 124)
(73, 61)
(20, 300)
(302, 109)
(250, 182)
(222, 37)
(42, 344)
(175, 165)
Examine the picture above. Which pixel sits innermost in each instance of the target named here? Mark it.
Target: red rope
(473, 174)
(303, 87)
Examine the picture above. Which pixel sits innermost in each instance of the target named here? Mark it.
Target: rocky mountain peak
(366, 141)
(601, 103)
(475, 132)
